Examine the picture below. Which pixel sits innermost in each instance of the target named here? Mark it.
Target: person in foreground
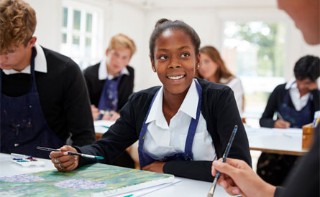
(44, 100)
(239, 178)
(182, 125)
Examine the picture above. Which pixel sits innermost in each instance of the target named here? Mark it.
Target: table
(186, 187)
(280, 141)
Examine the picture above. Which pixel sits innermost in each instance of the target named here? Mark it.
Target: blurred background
(258, 42)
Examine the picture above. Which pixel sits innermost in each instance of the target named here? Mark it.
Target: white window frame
(80, 55)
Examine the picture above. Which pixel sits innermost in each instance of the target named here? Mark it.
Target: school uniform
(286, 101)
(214, 112)
(95, 77)
(110, 93)
(44, 105)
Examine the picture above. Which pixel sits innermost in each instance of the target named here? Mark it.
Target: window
(81, 24)
(255, 52)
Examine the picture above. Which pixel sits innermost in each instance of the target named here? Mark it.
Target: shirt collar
(40, 63)
(291, 84)
(188, 105)
(103, 72)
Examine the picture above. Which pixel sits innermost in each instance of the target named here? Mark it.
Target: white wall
(49, 15)
(138, 22)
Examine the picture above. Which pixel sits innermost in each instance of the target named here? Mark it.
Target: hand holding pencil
(63, 161)
(238, 178)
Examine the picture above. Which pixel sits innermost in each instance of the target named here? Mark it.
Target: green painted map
(92, 180)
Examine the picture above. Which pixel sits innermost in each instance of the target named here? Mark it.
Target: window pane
(76, 19)
(65, 17)
(254, 51)
(89, 23)
(64, 38)
(88, 42)
(75, 40)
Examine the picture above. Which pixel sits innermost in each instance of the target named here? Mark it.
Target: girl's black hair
(164, 24)
(307, 67)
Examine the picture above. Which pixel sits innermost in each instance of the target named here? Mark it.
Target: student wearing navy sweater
(44, 100)
(182, 125)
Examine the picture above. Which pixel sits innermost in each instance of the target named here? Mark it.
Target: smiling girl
(182, 125)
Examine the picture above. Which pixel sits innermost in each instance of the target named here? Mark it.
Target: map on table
(92, 180)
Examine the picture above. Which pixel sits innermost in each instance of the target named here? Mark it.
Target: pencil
(224, 158)
(71, 153)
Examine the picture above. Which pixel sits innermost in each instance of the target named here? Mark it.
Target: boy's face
(174, 61)
(17, 57)
(306, 85)
(117, 59)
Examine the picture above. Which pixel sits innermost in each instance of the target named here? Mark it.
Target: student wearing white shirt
(294, 103)
(110, 82)
(181, 126)
(212, 68)
(44, 100)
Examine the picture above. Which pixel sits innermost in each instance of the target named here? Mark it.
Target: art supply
(71, 153)
(101, 114)
(224, 158)
(316, 119)
(25, 160)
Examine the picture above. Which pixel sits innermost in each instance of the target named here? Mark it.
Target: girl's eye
(184, 55)
(162, 57)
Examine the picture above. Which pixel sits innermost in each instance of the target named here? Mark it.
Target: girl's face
(174, 61)
(207, 67)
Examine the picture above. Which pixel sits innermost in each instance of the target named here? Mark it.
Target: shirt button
(15, 145)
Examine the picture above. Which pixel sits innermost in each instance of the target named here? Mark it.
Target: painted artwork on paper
(93, 180)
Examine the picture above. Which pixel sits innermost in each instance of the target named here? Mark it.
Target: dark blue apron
(109, 96)
(296, 118)
(23, 126)
(146, 159)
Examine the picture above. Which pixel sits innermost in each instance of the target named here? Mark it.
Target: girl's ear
(152, 65)
(198, 61)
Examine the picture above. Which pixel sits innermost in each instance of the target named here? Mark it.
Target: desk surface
(281, 141)
(186, 187)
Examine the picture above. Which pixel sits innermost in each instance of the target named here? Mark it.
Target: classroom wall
(48, 22)
(138, 22)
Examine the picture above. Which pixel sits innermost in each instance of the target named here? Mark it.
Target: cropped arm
(77, 107)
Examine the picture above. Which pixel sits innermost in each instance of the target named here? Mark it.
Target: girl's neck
(171, 104)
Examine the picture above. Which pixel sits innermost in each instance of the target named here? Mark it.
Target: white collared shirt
(103, 72)
(40, 63)
(298, 102)
(162, 138)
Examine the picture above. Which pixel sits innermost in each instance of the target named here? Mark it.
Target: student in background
(110, 82)
(182, 125)
(294, 103)
(237, 177)
(44, 100)
(212, 68)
